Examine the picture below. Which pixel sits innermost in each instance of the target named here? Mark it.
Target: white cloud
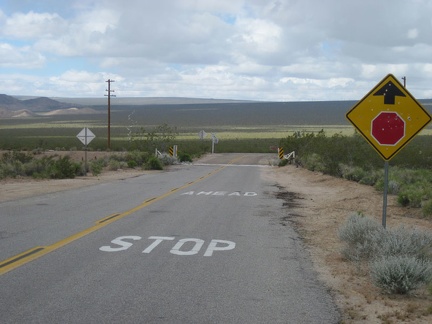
(257, 35)
(412, 33)
(33, 25)
(22, 58)
(240, 49)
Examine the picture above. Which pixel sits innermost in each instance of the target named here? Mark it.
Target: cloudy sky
(277, 50)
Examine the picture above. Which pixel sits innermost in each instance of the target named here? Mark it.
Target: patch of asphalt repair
(291, 202)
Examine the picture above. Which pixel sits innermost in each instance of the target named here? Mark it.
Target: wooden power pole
(109, 111)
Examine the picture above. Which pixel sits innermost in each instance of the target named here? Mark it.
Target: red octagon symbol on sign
(388, 128)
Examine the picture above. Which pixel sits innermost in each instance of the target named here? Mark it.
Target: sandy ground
(316, 205)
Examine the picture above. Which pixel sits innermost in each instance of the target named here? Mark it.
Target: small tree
(160, 137)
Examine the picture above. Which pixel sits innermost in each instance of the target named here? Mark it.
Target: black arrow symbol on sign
(389, 91)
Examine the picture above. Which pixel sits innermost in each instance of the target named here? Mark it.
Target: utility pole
(109, 110)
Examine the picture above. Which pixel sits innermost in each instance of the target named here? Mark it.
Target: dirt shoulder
(316, 206)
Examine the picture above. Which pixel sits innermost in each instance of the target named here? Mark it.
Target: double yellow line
(39, 251)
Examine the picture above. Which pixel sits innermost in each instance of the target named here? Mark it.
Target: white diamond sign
(202, 134)
(86, 136)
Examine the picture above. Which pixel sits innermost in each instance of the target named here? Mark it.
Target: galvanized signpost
(215, 140)
(85, 136)
(202, 134)
(388, 117)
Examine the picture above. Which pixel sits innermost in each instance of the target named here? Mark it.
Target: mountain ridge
(11, 106)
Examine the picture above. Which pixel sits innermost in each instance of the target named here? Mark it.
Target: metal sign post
(214, 141)
(85, 136)
(384, 214)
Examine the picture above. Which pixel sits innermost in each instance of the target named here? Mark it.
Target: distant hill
(10, 103)
(45, 104)
(13, 107)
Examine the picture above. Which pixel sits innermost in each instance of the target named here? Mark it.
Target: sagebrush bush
(96, 167)
(65, 168)
(137, 158)
(405, 242)
(353, 173)
(401, 257)
(359, 174)
(13, 156)
(14, 164)
(132, 164)
(400, 274)
(412, 195)
(113, 165)
(313, 162)
(154, 164)
(184, 157)
(361, 234)
(167, 160)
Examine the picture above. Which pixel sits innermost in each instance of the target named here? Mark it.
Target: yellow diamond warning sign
(388, 117)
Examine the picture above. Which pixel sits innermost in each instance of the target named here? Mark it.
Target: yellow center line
(39, 251)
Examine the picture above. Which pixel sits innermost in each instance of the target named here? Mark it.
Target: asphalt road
(200, 243)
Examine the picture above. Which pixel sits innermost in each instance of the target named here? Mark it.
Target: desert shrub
(39, 168)
(393, 187)
(65, 168)
(132, 164)
(366, 239)
(405, 242)
(154, 163)
(96, 167)
(411, 186)
(113, 165)
(370, 177)
(16, 156)
(427, 208)
(353, 173)
(352, 158)
(116, 157)
(12, 164)
(184, 157)
(400, 258)
(400, 274)
(412, 195)
(136, 158)
(361, 234)
(11, 169)
(313, 162)
(282, 162)
(167, 160)
(359, 174)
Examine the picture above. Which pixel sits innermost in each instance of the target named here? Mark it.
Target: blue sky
(269, 50)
